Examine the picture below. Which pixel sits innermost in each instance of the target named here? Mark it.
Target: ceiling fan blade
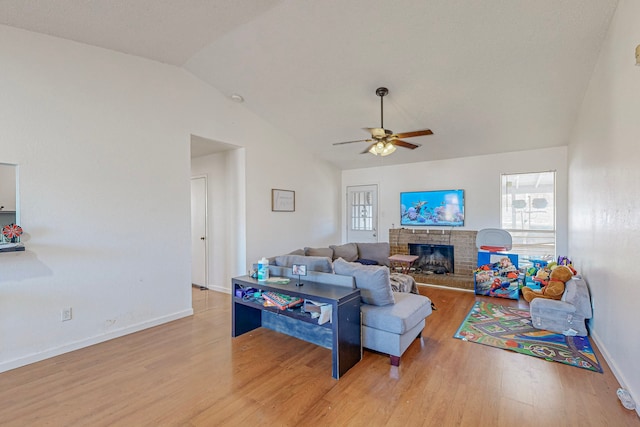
(349, 142)
(414, 133)
(405, 144)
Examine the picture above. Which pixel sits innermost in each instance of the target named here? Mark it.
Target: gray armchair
(567, 316)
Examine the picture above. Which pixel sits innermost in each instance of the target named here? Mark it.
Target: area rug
(510, 328)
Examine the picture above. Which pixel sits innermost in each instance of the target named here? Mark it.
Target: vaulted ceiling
(485, 76)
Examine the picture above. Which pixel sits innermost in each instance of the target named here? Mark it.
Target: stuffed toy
(563, 260)
(542, 276)
(554, 288)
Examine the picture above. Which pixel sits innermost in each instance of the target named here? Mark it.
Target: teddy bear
(554, 288)
(542, 276)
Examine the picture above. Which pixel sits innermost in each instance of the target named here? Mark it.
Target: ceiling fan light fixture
(382, 149)
(377, 148)
(388, 149)
(385, 141)
(237, 98)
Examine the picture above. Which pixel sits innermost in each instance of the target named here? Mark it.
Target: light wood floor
(192, 373)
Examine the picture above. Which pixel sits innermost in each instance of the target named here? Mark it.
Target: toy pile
(547, 280)
(500, 279)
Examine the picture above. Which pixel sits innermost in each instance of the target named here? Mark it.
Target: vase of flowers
(11, 233)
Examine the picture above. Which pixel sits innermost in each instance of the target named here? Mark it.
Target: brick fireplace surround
(464, 248)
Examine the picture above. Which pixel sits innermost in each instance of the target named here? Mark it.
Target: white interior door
(199, 231)
(362, 213)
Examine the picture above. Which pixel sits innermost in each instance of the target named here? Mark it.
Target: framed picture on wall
(283, 200)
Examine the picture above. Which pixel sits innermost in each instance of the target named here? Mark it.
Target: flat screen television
(432, 208)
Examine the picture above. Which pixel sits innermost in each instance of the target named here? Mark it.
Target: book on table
(278, 280)
(282, 301)
(318, 310)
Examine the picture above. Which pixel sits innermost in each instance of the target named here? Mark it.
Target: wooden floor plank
(190, 372)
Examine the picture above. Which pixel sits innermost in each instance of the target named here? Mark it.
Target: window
(528, 212)
(361, 211)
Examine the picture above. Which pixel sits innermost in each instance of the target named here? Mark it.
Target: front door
(362, 213)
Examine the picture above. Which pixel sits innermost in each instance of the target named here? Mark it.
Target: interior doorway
(224, 203)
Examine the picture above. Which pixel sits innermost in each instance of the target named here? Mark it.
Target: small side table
(403, 261)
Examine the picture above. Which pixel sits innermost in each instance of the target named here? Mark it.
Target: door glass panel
(362, 215)
(362, 211)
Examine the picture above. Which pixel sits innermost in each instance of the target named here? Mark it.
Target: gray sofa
(393, 312)
(567, 316)
(321, 259)
(373, 252)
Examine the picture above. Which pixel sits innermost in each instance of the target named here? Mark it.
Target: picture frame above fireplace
(443, 208)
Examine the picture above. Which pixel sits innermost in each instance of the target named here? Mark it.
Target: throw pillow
(367, 261)
(348, 251)
(313, 263)
(372, 280)
(376, 251)
(326, 252)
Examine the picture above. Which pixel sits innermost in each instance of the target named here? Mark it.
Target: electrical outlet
(66, 314)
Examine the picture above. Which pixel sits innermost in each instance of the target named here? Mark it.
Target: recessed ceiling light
(237, 98)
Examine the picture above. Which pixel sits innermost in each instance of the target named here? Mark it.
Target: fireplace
(436, 259)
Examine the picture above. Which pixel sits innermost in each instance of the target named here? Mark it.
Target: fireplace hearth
(466, 254)
(432, 259)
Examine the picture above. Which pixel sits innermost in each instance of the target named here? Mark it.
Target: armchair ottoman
(390, 329)
(390, 320)
(566, 316)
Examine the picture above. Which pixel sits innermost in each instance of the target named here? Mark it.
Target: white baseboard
(76, 345)
(451, 288)
(216, 288)
(614, 369)
(220, 289)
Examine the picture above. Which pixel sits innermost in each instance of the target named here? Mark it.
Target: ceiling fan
(383, 141)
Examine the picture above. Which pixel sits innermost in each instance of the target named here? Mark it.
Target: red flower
(11, 231)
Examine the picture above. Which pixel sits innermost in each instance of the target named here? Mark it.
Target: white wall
(604, 189)
(102, 141)
(478, 176)
(316, 220)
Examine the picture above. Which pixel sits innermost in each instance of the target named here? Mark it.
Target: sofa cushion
(348, 251)
(372, 280)
(376, 251)
(325, 252)
(297, 252)
(313, 263)
(407, 312)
